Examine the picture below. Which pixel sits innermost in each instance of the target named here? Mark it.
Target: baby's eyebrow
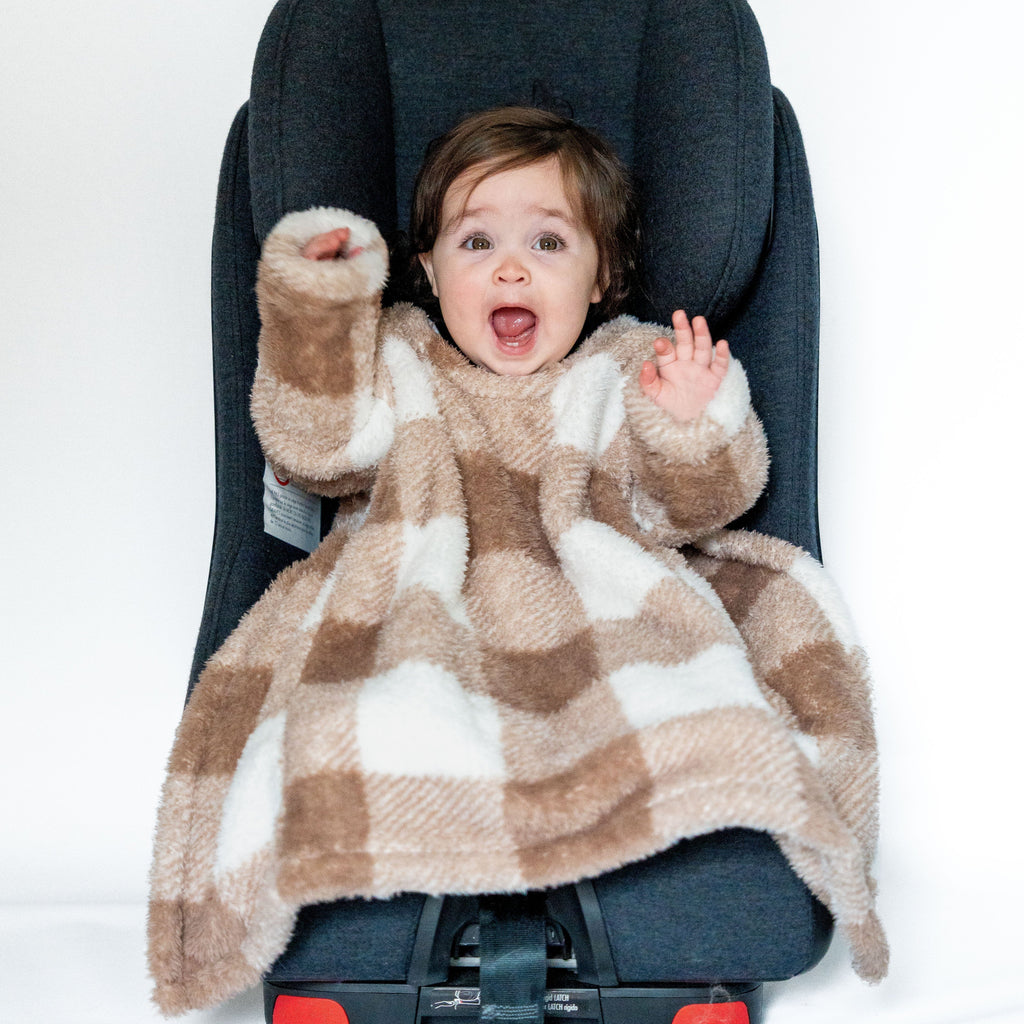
(453, 223)
(557, 213)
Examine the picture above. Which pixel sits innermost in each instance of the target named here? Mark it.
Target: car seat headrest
(346, 95)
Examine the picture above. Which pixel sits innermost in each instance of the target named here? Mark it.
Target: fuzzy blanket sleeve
(527, 652)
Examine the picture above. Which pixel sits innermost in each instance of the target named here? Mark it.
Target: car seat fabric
(661, 926)
(244, 559)
(776, 330)
(692, 118)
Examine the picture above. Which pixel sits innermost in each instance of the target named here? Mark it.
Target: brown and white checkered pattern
(501, 672)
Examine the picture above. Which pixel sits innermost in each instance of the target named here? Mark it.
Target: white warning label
(290, 513)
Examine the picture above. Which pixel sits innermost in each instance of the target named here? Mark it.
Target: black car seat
(346, 94)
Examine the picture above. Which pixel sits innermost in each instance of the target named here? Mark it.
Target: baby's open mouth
(513, 325)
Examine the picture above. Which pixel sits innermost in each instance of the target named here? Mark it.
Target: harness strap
(513, 958)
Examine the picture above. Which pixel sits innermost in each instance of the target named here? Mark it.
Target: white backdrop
(113, 118)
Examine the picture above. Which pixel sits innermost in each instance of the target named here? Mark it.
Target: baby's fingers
(720, 364)
(703, 345)
(684, 335)
(650, 379)
(664, 352)
(331, 245)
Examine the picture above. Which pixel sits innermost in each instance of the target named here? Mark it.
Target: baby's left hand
(683, 377)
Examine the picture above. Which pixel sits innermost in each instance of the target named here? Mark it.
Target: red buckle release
(708, 1013)
(308, 1010)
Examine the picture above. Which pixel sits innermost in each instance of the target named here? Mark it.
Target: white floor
(85, 965)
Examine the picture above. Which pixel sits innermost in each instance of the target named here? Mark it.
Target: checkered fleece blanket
(527, 652)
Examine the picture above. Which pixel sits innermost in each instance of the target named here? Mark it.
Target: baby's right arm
(319, 400)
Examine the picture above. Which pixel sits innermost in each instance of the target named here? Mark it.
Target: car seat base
(365, 1003)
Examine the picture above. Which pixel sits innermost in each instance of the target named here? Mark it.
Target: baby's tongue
(512, 321)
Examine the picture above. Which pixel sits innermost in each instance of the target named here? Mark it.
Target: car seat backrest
(347, 94)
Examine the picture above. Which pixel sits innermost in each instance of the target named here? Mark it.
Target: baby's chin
(502, 368)
(516, 364)
(514, 371)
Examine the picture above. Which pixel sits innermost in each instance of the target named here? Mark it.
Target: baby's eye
(549, 243)
(477, 242)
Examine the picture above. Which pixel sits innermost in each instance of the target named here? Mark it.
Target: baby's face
(514, 270)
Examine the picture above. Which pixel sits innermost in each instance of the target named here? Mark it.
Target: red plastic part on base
(711, 1013)
(307, 1010)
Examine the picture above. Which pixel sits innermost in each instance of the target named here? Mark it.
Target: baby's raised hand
(331, 245)
(683, 377)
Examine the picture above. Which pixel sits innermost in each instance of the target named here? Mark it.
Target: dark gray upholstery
(345, 96)
(775, 334)
(725, 906)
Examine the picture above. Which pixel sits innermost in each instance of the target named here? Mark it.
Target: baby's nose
(511, 270)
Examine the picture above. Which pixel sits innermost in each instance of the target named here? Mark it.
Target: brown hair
(596, 181)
